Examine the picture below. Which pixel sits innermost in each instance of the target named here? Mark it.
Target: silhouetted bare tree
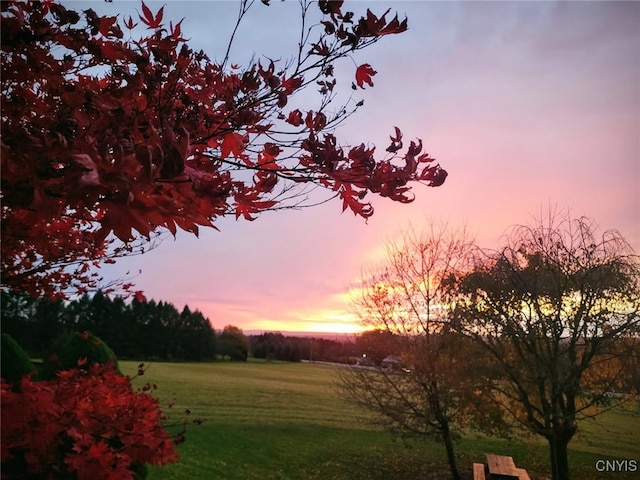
(432, 391)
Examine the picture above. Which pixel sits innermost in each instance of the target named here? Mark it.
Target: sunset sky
(526, 104)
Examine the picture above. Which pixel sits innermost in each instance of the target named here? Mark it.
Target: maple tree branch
(243, 9)
(117, 133)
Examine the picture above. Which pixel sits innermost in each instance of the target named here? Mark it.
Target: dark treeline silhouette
(141, 330)
(276, 346)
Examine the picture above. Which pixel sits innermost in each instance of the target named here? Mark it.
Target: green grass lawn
(272, 420)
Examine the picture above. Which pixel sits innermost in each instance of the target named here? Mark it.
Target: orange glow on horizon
(323, 321)
(334, 318)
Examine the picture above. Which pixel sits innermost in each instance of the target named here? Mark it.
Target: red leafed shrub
(84, 424)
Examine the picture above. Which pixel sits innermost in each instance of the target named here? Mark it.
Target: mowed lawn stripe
(255, 392)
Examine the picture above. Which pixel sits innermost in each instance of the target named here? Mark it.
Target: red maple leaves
(151, 20)
(85, 423)
(373, 26)
(120, 139)
(232, 144)
(363, 75)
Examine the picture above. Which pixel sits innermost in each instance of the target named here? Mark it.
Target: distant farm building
(391, 362)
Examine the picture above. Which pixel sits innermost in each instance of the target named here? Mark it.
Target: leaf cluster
(107, 140)
(84, 423)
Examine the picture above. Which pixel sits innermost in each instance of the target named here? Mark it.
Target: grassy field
(271, 420)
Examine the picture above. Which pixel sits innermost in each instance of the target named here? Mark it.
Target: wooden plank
(501, 465)
(478, 471)
(522, 474)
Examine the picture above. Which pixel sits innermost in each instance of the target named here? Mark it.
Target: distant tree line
(276, 346)
(137, 330)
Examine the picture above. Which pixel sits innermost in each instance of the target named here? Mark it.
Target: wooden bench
(478, 471)
(499, 467)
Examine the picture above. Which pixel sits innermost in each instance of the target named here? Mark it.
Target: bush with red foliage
(85, 424)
